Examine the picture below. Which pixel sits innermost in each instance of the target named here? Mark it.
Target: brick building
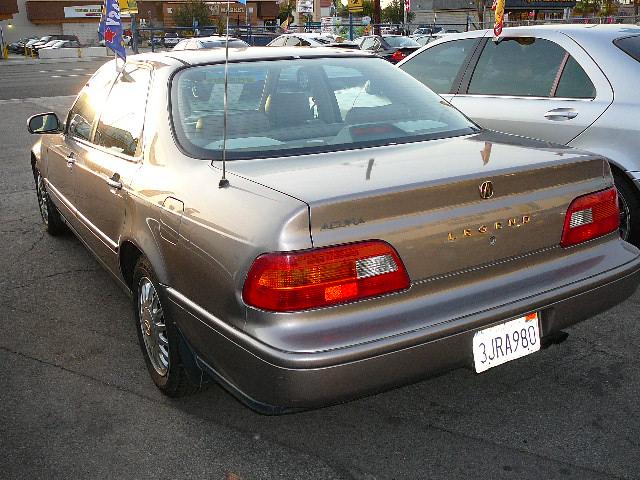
(81, 17)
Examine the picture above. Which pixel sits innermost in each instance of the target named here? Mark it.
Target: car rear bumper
(275, 381)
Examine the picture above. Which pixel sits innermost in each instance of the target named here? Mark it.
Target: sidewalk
(15, 59)
(21, 60)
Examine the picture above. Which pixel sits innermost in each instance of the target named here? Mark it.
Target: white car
(575, 85)
(301, 40)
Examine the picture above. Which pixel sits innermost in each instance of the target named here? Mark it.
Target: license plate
(516, 338)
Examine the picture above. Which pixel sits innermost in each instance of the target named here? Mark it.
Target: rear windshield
(400, 42)
(287, 107)
(221, 43)
(322, 40)
(630, 46)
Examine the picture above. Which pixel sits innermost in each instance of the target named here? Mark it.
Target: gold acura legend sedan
(365, 234)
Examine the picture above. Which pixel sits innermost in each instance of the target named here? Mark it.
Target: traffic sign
(356, 6)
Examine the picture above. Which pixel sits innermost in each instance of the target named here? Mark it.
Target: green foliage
(185, 13)
(394, 12)
(596, 8)
(287, 7)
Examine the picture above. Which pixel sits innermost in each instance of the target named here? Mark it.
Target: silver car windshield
(288, 107)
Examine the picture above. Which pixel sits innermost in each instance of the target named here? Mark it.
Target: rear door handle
(114, 181)
(561, 114)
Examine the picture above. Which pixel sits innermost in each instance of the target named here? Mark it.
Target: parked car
(361, 235)
(424, 30)
(422, 40)
(301, 40)
(392, 48)
(49, 39)
(568, 84)
(171, 39)
(214, 41)
(57, 44)
(18, 47)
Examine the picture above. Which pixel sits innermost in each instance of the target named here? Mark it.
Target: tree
(394, 12)
(186, 13)
(287, 7)
(596, 7)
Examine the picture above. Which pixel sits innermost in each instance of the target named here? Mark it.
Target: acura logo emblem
(486, 189)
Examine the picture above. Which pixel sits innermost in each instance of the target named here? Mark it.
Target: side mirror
(44, 123)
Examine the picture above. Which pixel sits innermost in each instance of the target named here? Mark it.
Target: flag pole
(223, 181)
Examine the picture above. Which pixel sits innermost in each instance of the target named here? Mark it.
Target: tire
(629, 209)
(158, 336)
(51, 218)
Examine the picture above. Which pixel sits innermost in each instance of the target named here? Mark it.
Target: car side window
(523, 67)
(81, 117)
(122, 120)
(367, 44)
(293, 41)
(279, 42)
(438, 67)
(574, 82)
(90, 100)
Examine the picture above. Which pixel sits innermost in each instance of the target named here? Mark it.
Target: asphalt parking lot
(77, 402)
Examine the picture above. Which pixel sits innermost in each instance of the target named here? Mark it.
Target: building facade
(81, 17)
(456, 13)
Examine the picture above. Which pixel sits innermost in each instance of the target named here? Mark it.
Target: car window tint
(574, 82)
(524, 67)
(237, 44)
(438, 67)
(90, 100)
(630, 46)
(367, 44)
(121, 121)
(283, 107)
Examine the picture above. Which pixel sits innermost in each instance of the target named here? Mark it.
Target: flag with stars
(112, 30)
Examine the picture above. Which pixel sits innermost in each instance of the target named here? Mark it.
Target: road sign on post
(305, 6)
(356, 6)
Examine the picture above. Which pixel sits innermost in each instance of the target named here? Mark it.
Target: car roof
(305, 35)
(199, 57)
(214, 38)
(574, 30)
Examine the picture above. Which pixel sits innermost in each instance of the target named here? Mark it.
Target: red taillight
(397, 56)
(319, 277)
(591, 216)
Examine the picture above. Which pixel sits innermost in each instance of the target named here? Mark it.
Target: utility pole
(636, 4)
(377, 17)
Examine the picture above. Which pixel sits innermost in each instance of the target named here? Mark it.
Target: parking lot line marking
(56, 76)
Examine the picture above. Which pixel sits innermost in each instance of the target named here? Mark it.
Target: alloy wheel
(42, 198)
(153, 327)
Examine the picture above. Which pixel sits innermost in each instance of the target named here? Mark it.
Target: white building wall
(21, 26)
(87, 32)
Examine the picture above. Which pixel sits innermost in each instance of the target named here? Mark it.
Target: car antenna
(223, 181)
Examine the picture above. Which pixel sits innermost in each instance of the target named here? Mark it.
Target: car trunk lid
(426, 199)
